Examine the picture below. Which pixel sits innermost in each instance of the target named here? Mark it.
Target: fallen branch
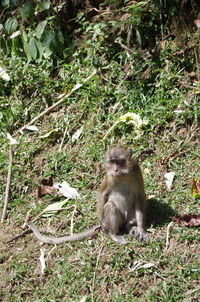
(19, 235)
(7, 192)
(62, 98)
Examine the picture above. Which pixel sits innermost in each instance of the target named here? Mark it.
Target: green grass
(100, 269)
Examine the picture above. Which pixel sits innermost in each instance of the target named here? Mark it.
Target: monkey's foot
(140, 234)
(118, 238)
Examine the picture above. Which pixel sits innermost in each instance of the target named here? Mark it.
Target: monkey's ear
(130, 151)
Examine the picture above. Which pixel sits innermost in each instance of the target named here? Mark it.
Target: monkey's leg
(112, 222)
(139, 230)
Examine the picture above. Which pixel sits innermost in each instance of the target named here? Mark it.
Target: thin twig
(72, 220)
(61, 144)
(26, 219)
(59, 102)
(27, 231)
(124, 46)
(7, 192)
(169, 228)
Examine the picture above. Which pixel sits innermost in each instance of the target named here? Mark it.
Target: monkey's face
(117, 161)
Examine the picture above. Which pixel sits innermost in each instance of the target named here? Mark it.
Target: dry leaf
(32, 128)
(197, 22)
(169, 177)
(196, 188)
(187, 220)
(146, 74)
(140, 264)
(77, 134)
(47, 187)
(42, 261)
(83, 299)
(12, 140)
(67, 191)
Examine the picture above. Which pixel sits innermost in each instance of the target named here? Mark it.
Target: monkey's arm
(102, 198)
(58, 240)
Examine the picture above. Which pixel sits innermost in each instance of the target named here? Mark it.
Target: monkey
(122, 200)
(121, 203)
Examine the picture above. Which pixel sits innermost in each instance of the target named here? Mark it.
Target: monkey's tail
(58, 240)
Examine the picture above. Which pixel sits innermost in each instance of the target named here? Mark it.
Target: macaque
(121, 204)
(122, 201)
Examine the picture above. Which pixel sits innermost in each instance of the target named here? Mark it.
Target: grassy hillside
(141, 65)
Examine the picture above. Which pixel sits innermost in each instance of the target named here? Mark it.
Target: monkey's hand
(139, 233)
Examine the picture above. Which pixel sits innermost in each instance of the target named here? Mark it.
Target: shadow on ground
(158, 212)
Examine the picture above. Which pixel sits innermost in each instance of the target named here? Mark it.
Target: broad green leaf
(44, 5)
(5, 3)
(32, 48)
(27, 10)
(40, 29)
(50, 40)
(11, 25)
(40, 49)
(26, 50)
(24, 36)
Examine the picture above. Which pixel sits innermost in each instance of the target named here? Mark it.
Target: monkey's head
(118, 160)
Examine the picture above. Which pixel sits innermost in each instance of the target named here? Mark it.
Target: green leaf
(40, 29)
(44, 5)
(11, 25)
(27, 10)
(40, 49)
(6, 3)
(138, 37)
(24, 36)
(32, 48)
(26, 50)
(49, 38)
(53, 208)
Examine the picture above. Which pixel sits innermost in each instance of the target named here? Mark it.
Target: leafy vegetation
(147, 64)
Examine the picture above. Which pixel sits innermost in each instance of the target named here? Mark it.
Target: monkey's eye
(121, 162)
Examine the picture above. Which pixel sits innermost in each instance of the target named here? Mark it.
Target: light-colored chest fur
(122, 194)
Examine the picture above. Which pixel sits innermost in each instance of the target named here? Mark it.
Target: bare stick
(19, 235)
(72, 220)
(7, 192)
(26, 219)
(169, 228)
(124, 46)
(62, 142)
(62, 98)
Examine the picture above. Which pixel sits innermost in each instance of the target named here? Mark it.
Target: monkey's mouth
(119, 172)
